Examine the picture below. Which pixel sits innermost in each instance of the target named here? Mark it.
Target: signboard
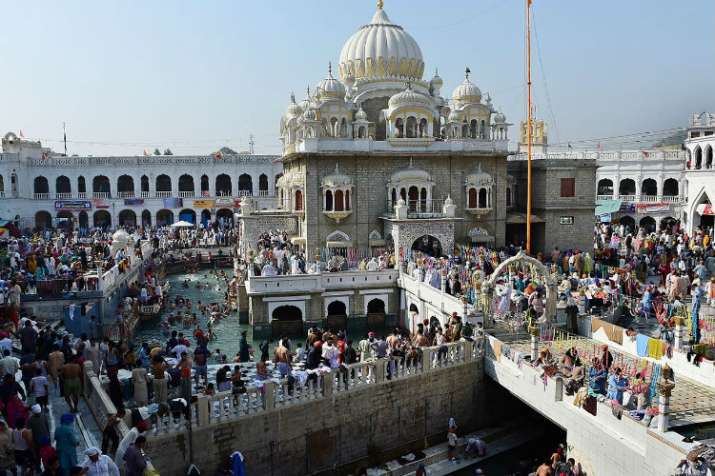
(565, 220)
(133, 201)
(648, 207)
(705, 209)
(73, 205)
(100, 203)
(173, 202)
(204, 204)
(224, 202)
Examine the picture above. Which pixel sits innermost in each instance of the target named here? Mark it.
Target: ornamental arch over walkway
(286, 320)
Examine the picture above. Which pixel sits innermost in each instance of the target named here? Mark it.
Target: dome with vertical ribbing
(381, 50)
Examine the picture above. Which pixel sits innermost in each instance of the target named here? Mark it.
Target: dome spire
(380, 4)
(330, 69)
(467, 71)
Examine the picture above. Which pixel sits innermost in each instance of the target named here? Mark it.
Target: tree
(168, 152)
(157, 151)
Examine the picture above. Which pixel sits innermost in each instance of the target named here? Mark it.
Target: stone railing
(319, 281)
(437, 298)
(226, 407)
(141, 161)
(98, 400)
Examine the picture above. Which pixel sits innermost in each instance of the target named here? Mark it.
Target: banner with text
(204, 204)
(73, 205)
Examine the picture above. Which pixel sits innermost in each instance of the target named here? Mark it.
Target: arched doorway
(668, 223)
(627, 188)
(286, 321)
(125, 186)
(649, 188)
(146, 218)
(337, 316)
(43, 220)
(83, 220)
(186, 186)
(127, 218)
(629, 222)
(164, 217)
(375, 312)
(205, 217)
(163, 185)
(102, 219)
(670, 188)
(204, 185)
(428, 245)
(100, 186)
(224, 216)
(41, 186)
(263, 184)
(703, 214)
(188, 215)
(648, 224)
(65, 220)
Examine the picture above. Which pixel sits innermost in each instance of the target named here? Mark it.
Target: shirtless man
(54, 363)
(282, 359)
(544, 469)
(72, 384)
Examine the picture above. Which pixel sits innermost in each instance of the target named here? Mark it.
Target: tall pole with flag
(529, 121)
(64, 133)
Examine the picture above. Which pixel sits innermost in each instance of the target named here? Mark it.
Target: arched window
(649, 188)
(205, 185)
(483, 130)
(708, 157)
(41, 186)
(605, 187)
(423, 199)
(670, 187)
(263, 183)
(186, 183)
(399, 128)
(394, 197)
(163, 183)
(508, 196)
(473, 129)
(414, 197)
(411, 127)
(334, 127)
(144, 184)
(423, 127)
(698, 158)
(223, 186)
(472, 198)
(63, 186)
(465, 130)
(343, 128)
(81, 185)
(627, 187)
(100, 186)
(339, 201)
(361, 132)
(245, 185)
(2, 184)
(347, 199)
(328, 201)
(125, 186)
(298, 200)
(483, 203)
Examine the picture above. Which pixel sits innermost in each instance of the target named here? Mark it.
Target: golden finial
(380, 4)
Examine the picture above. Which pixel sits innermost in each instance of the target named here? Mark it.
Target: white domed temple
(377, 156)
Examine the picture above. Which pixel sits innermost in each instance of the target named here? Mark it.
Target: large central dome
(381, 50)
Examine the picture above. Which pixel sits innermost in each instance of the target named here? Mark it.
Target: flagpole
(64, 133)
(528, 127)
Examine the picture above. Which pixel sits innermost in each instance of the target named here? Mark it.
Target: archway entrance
(146, 218)
(648, 224)
(127, 218)
(65, 220)
(428, 245)
(224, 216)
(164, 217)
(286, 321)
(43, 220)
(188, 215)
(205, 217)
(629, 222)
(668, 223)
(704, 213)
(83, 220)
(337, 316)
(102, 219)
(375, 313)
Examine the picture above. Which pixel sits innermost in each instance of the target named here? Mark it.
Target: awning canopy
(705, 209)
(608, 206)
(516, 218)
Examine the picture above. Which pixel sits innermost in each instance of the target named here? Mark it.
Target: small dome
(337, 179)
(306, 102)
(467, 92)
(309, 114)
(293, 110)
(411, 174)
(331, 88)
(381, 49)
(360, 115)
(478, 178)
(120, 237)
(499, 118)
(409, 97)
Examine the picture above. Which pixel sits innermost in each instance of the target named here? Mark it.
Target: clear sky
(195, 75)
